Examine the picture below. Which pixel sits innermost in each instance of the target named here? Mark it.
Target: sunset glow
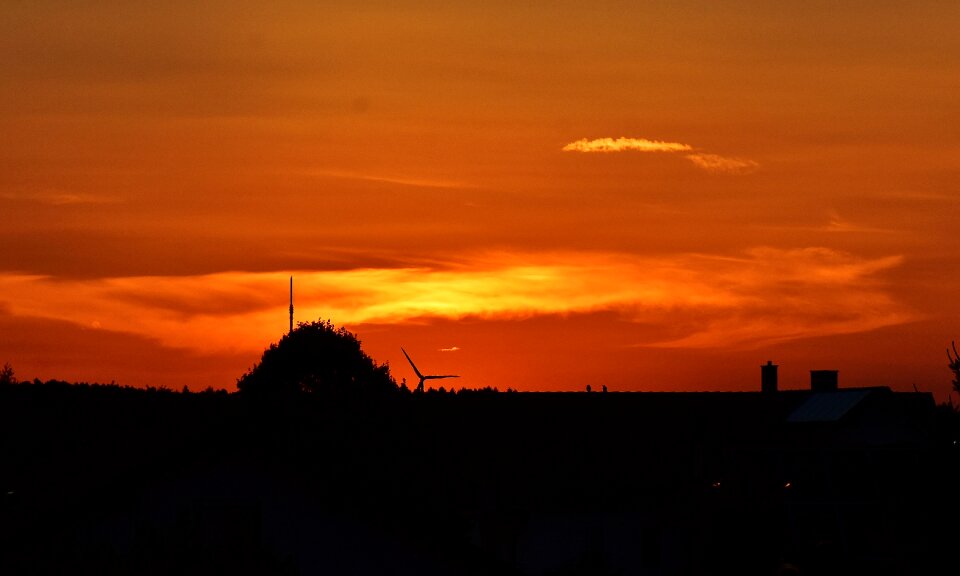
(659, 197)
(786, 295)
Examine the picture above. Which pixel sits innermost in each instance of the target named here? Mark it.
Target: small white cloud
(717, 164)
(713, 163)
(451, 349)
(625, 144)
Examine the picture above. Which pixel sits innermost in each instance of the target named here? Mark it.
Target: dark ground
(111, 480)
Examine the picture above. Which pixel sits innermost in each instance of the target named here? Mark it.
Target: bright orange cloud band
(767, 295)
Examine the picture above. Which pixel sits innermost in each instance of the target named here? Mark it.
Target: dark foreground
(106, 480)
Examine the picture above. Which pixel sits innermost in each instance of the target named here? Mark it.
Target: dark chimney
(768, 377)
(823, 380)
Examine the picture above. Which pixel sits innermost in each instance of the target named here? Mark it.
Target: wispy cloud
(791, 294)
(451, 349)
(58, 198)
(624, 144)
(837, 223)
(833, 223)
(713, 163)
(717, 164)
(765, 295)
(414, 181)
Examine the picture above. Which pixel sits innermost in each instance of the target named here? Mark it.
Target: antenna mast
(291, 304)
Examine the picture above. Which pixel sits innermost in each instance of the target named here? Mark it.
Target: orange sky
(652, 196)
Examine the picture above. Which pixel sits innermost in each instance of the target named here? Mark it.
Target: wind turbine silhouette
(428, 376)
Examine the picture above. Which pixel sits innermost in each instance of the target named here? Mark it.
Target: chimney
(823, 380)
(768, 377)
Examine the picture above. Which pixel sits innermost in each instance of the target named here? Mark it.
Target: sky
(533, 195)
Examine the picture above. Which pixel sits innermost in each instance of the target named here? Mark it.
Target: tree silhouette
(954, 366)
(317, 358)
(6, 375)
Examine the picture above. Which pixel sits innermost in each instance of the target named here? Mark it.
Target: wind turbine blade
(434, 377)
(417, 372)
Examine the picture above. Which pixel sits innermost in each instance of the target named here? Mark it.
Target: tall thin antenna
(291, 304)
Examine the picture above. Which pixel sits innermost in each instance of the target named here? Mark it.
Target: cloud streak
(57, 198)
(415, 182)
(625, 145)
(763, 296)
(716, 164)
(712, 163)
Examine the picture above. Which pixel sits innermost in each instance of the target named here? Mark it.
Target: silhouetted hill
(108, 479)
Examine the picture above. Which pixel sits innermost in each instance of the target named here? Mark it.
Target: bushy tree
(954, 366)
(317, 358)
(6, 375)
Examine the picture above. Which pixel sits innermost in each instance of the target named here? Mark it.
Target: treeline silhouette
(341, 471)
(115, 479)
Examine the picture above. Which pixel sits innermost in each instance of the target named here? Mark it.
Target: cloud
(45, 348)
(790, 294)
(57, 198)
(837, 223)
(713, 163)
(416, 182)
(765, 295)
(451, 349)
(624, 144)
(834, 224)
(716, 164)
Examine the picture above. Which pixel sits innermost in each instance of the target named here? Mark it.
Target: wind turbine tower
(291, 304)
(423, 377)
